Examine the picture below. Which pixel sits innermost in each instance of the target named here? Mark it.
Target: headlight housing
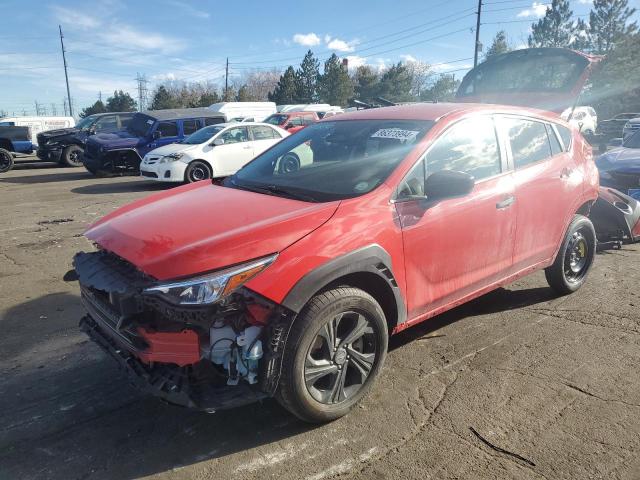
(208, 289)
(173, 156)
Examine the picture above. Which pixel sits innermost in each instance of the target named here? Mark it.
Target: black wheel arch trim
(370, 259)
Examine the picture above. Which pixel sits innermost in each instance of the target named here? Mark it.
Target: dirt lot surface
(517, 384)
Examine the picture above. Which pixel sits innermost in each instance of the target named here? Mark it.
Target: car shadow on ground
(65, 175)
(122, 187)
(75, 416)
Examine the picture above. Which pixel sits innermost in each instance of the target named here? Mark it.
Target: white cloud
(355, 61)
(129, 37)
(408, 58)
(74, 19)
(93, 84)
(306, 39)
(444, 67)
(188, 9)
(339, 45)
(537, 10)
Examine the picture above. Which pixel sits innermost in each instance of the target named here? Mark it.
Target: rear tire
(6, 160)
(575, 257)
(196, 171)
(71, 156)
(334, 353)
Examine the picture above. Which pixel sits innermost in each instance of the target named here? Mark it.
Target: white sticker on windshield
(150, 122)
(397, 133)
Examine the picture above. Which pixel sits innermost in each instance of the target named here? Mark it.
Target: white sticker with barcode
(397, 133)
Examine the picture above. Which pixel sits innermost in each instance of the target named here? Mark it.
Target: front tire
(6, 160)
(333, 355)
(71, 156)
(196, 171)
(575, 257)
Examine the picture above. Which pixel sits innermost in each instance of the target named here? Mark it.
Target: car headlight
(208, 289)
(52, 143)
(173, 156)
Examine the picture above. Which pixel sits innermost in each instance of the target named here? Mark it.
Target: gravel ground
(517, 384)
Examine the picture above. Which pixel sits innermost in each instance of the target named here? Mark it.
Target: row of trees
(607, 30)
(119, 102)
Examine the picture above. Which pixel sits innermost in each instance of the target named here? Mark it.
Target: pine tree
(442, 90)
(121, 102)
(499, 45)
(334, 85)
(556, 28)
(162, 99)
(307, 78)
(97, 107)
(366, 83)
(287, 89)
(396, 83)
(608, 25)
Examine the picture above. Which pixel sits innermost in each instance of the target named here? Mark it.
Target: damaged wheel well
(585, 208)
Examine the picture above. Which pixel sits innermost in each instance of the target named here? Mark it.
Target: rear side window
(190, 126)
(565, 135)
(529, 141)
(212, 121)
(470, 146)
(264, 133)
(168, 129)
(556, 148)
(124, 120)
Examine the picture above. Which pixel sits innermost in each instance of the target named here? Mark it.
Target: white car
(211, 152)
(584, 119)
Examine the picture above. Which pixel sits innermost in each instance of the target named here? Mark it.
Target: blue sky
(109, 41)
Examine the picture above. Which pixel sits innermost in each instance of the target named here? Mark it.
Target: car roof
(435, 111)
(242, 124)
(179, 113)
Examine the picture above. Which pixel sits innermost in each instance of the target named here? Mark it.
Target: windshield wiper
(273, 190)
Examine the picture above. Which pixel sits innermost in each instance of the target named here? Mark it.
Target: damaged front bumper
(167, 351)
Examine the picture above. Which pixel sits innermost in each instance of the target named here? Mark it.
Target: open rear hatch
(546, 78)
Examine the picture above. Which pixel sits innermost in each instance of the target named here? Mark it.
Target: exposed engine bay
(205, 357)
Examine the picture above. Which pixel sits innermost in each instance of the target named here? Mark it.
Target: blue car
(120, 153)
(13, 140)
(620, 167)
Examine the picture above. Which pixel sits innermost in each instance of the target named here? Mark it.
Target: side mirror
(448, 184)
(217, 142)
(157, 135)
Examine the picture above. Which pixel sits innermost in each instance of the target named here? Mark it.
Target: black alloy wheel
(197, 171)
(6, 160)
(340, 358)
(72, 156)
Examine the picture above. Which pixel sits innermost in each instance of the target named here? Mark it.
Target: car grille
(149, 174)
(152, 159)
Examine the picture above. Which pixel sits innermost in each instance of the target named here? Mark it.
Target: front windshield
(332, 160)
(86, 122)
(633, 141)
(276, 119)
(140, 125)
(203, 135)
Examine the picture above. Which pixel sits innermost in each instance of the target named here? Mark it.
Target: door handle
(566, 172)
(506, 203)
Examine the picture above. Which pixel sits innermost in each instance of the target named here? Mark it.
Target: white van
(245, 111)
(38, 124)
(322, 109)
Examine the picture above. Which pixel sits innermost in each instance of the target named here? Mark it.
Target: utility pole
(66, 75)
(226, 80)
(477, 47)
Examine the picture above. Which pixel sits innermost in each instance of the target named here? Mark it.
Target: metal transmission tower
(66, 75)
(142, 92)
(54, 110)
(64, 106)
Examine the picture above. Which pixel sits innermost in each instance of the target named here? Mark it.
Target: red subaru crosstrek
(288, 283)
(292, 121)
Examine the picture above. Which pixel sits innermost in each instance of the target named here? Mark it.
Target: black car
(620, 168)
(66, 145)
(612, 128)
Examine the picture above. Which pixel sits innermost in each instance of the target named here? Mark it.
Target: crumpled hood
(203, 227)
(58, 132)
(172, 148)
(121, 139)
(620, 159)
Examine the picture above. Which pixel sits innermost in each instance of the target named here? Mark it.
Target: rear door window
(124, 120)
(190, 126)
(470, 146)
(529, 141)
(264, 133)
(168, 129)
